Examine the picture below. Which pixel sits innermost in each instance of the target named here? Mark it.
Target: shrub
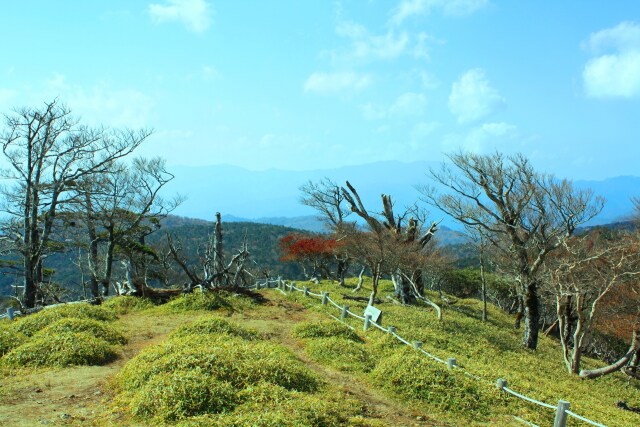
(324, 330)
(161, 380)
(196, 301)
(214, 326)
(92, 327)
(9, 339)
(31, 324)
(176, 395)
(127, 304)
(227, 358)
(341, 353)
(409, 374)
(64, 349)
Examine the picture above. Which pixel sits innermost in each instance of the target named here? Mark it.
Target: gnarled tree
(525, 214)
(48, 152)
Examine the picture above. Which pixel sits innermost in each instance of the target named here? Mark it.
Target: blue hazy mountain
(273, 196)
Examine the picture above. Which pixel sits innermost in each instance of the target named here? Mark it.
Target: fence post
(501, 383)
(367, 321)
(345, 308)
(392, 330)
(325, 298)
(451, 363)
(258, 286)
(561, 415)
(306, 291)
(10, 313)
(417, 345)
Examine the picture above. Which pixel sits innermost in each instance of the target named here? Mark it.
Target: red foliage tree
(314, 252)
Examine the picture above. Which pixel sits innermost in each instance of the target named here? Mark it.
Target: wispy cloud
(102, 103)
(485, 138)
(615, 72)
(194, 14)
(409, 8)
(336, 82)
(473, 98)
(407, 104)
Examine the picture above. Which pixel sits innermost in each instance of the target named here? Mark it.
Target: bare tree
(327, 199)
(582, 275)
(48, 152)
(119, 209)
(389, 246)
(525, 214)
(235, 274)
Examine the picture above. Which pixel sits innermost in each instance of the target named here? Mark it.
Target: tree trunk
(519, 306)
(633, 348)
(218, 255)
(531, 316)
(360, 279)
(341, 270)
(374, 286)
(484, 284)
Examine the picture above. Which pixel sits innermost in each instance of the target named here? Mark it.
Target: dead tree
(235, 274)
(389, 246)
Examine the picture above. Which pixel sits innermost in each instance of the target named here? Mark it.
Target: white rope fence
(562, 409)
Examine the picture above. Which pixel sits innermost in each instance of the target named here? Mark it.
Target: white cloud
(484, 138)
(366, 46)
(473, 98)
(194, 14)
(616, 71)
(409, 8)
(407, 104)
(336, 82)
(102, 104)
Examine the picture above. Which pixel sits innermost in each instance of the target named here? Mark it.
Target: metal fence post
(367, 321)
(451, 363)
(345, 308)
(306, 291)
(10, 313)
(325, 298)
(501, 383)
(561, 415)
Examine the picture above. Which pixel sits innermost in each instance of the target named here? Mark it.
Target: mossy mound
(33, 323)
(208, 326)
(225, 357)
(176, 395)
(268, 405)
(197, 301)
(10, 338)
(198, 374)
(92, 327)
(341, 353)
(127, 304)
(64, 349)
(408, 373)
(325, 330)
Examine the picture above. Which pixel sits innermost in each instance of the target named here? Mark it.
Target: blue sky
(319, 84)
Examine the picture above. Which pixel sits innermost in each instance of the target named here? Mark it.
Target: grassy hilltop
(236, 360)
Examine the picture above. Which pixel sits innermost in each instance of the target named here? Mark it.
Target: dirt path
(75, 396)
(278, 327)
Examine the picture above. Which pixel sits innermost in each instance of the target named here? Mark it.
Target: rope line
(527, 398)
(586, 420)
(464, 371)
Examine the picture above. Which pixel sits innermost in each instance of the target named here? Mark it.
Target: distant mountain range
(273, 196)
